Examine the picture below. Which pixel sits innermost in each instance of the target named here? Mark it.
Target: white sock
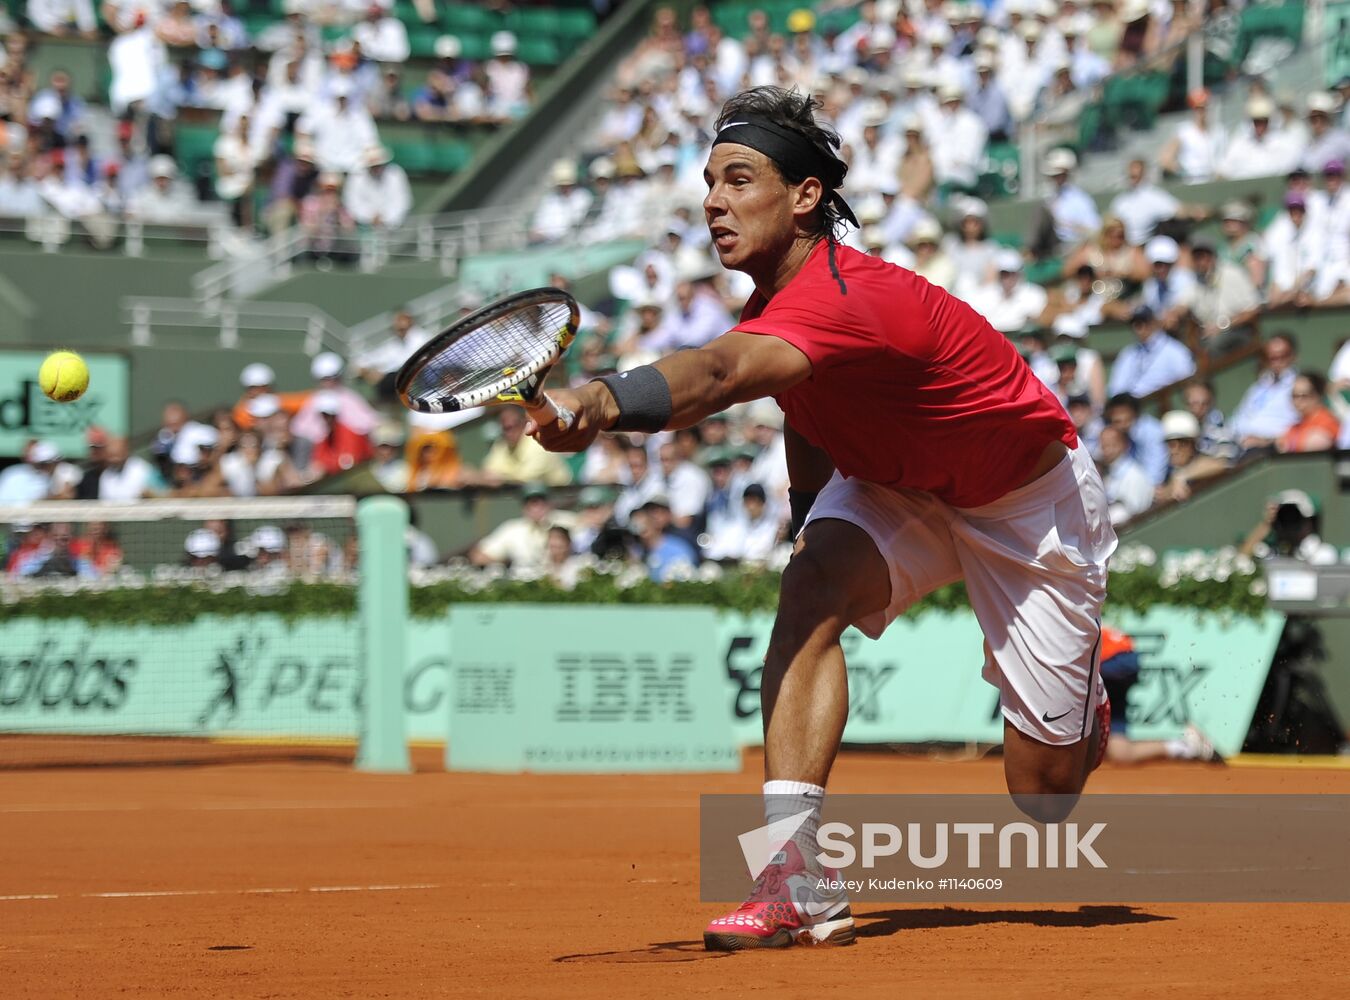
(788, 798)
(1178, 750)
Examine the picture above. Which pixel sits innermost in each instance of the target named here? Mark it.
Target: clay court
(312, 880)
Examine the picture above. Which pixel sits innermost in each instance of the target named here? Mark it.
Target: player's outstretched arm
(734, 368)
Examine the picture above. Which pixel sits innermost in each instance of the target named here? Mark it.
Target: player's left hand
(595, 412)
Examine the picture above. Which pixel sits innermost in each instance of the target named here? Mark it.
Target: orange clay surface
(276, 880)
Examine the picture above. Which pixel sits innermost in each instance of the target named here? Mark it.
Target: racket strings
(513, 341)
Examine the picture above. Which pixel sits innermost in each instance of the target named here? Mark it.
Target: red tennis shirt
(910, 387)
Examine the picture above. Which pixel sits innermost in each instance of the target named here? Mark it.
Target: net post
(382, 607)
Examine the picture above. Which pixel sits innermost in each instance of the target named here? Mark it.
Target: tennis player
(921, 450)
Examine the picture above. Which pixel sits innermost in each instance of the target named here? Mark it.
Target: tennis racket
(498, 355)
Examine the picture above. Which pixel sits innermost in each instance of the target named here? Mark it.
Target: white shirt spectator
(687, 489)
(136, 59)
(1145, 367)
(1129, 491)
(1141, 209)
(1275, 153)
(384, 40)
(51, 16)
(1009, 310)
(561, 212)
(131, 482)
(1266, 409)
(240, 160)
(387, 198)
(341, 135)
(956, 144)
(1292, 251)
(508, 86)
(1200, 151)
(1075, 214)
(389, 355)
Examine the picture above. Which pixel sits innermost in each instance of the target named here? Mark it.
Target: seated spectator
(918, 172)
(1129, 490)
(1143, 206)
(176, 439)
(257, 379)
(1111, 256)
(378, 196)
(1070, 334)
(434, 461)
(1222, 300)
(1186, 466)
(200, 475)
(138, 60)
(165, 201)
(1266, 409)
(341, 131)
(1031, 344)
(31, 479)
(508, 79)
(389, 99)
(1290, 528)
(1009, 303)
(1317, 427)
(667, 553)
(1260, 149)
(378, 366)
(516, 457)
(641, 342)
(970, 249)
(562, 566)
(1085, 422)
(342, 447)
(1296, 251)
(237, 160)
(1081, 300)
(522, 542)
(293, 178)
(697, 316)
(382, 36)
(284, 464)
(388, 466)
(1068, 216)
(63, 18)
(1327, 141)
(1169, 287)
(643, 484)
(1241, 246)
(751, 534)
(687, 487)
(1143, 434)
(97, 460)
(175, 27)
(328, 226)
(1198, 146)
(354, 412)
(98, 548)
(57, 104)
(1216, 439)
(930, 262)
(56, 557)
(126, 476)
(201, 548)
(561, 211)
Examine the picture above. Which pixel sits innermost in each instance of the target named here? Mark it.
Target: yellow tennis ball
(63, 376)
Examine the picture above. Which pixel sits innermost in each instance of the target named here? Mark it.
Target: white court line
(160, 893)
(94, 807)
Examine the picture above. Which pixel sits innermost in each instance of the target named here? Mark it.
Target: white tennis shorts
(1034, 563)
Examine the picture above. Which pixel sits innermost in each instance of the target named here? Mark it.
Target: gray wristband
(643, 395)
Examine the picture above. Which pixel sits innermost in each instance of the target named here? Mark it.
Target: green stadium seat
(422, 41)
(1045, 272)
(576, 24)
(475, 45)
(1134, 100)
(194, 145)
(333, 32)
(533, 21)
(466, 18)
(999, 178)
(450, 157)
(415, 157)
(1268, 21)
(539, 51)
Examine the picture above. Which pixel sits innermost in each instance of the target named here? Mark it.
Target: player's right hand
(595, 411)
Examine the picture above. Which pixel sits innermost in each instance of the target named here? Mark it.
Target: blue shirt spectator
(1145, 434)
(669, 556)
(1075, 213)
(1266, 410)
(1151, 364)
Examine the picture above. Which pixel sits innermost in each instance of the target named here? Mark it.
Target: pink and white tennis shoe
(788, 906)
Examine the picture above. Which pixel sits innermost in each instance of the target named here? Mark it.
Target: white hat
(207, 437)
(1323, 102)
(163, 166)
(563, 172)
(1070, 325)
(766, 413)
(915, 78)
(925, 231)
(447, 47)
(1133, 10)
(937, 34)
(913, 123)
(1030, 30)
(966, 205)
(503, 43)
(1162, 250)
(1008, 260)
(45, 105)
(264, 406)
(268, 538)
(988, 37)
(256, 374)
(870, 210)
(1179, 424)
(326, 365)
(327, 401)
(43, 452)
(873, 236)
(1059, 161)
(950, 90)
(1260, 107)
(888, 185)
(855, 76)
(377, 155)
(202, 543)
(387, 434)
(875, 114)
(984, 59)
(602, 166)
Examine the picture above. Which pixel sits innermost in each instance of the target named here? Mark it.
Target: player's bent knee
(1046, 807)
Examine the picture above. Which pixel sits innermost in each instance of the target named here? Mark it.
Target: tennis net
(179, 631)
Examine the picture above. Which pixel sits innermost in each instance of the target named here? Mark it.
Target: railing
(152, 319)
(445, 239)
(133, 237)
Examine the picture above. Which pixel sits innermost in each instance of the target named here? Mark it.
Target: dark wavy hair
(794, 110)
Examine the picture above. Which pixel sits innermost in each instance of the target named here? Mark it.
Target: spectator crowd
(298, 106)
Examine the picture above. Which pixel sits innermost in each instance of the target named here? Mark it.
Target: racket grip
(565, 417)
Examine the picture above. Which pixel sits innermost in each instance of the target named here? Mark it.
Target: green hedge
(1137, 589)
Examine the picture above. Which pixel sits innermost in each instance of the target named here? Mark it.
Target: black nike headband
(795, 155)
